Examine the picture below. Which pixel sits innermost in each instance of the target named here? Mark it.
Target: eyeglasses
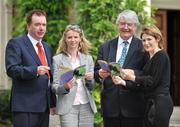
(125, 23)
(73, 26)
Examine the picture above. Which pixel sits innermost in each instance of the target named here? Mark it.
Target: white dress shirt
(81, 95)
(120, 47)
(34, 42)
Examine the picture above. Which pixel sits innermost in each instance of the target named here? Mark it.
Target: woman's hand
(89, 75)
(128, 74)
(103, 73)
(118, 80)
(70, 84)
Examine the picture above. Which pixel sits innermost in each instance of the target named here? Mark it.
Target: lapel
(82, 59)
(65, 60)
(132, 48)
(33, 53)
(112, 50)
(31, 49)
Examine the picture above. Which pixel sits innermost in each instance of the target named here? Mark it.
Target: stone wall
(166, 4)
(5, 35)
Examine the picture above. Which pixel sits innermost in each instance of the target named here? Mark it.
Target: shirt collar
(78, 54)
(33, 41)
(120, 40)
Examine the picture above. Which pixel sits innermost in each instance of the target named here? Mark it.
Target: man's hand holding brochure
(113, 68)
(115, 71)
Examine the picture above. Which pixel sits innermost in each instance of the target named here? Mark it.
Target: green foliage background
(96, 17)
(5, 115)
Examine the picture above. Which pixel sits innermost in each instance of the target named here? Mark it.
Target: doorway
(168, 21)
(173, 42)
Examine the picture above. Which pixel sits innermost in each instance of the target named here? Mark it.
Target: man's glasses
(125, 23)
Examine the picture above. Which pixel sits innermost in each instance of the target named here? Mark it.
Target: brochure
(113, 67)
(68, 74)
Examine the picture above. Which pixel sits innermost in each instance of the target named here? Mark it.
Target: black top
(156, 75)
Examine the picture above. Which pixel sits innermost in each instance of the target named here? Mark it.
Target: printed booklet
(68, 73)
(113, 67)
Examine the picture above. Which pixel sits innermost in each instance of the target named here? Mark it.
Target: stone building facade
(5, 35)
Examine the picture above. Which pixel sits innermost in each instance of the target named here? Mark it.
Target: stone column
(5, 35)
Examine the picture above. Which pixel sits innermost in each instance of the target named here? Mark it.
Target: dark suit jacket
(117, 99)
(30, 93)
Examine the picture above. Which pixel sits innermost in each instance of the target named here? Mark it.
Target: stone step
(174, 121)
(54, 121)
(175, 118)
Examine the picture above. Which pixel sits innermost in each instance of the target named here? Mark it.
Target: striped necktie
(124, 53)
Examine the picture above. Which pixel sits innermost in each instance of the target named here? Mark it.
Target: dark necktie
(124, 53)
(42, 56)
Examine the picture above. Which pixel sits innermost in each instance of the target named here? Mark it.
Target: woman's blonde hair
(84, 45)
(154, 32)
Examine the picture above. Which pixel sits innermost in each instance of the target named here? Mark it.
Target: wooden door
(161, 23)
(168, 21)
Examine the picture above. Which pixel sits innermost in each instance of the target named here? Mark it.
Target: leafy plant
(5, 115)
(98, 117)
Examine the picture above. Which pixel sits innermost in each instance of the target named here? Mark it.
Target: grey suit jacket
(66, 98)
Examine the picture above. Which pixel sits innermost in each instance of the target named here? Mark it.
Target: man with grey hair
(122, 107)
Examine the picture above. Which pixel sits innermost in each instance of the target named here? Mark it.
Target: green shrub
(96, 95)
(5, 114)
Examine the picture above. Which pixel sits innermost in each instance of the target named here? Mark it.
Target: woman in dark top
(155, 81)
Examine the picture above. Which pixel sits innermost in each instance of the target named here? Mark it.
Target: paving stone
(174, 121)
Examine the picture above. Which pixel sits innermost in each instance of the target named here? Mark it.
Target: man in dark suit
(121, 107)
(30, 68)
